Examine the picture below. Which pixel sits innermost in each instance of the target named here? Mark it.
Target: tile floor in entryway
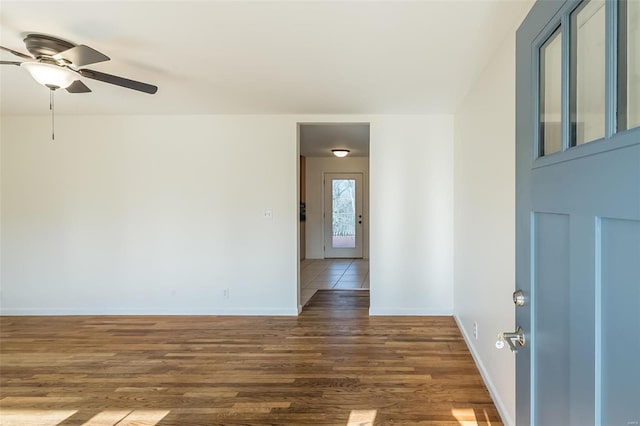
(347, 274)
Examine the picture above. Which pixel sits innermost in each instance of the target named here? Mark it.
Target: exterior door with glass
(578, 214)
(343, 215)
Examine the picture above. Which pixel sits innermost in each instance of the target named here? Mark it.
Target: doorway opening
(334, 208)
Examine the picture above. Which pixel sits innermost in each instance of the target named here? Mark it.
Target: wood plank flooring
(332, 365)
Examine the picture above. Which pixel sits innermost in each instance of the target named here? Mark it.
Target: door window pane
(344, 213)
(629, 65)
(551, 95)
(588, 72)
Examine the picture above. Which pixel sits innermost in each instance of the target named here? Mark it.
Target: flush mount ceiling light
(51, 76)
(340, 152)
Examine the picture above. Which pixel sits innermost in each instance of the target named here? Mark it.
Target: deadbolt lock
(519, 298)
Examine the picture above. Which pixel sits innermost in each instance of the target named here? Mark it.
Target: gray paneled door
(578, 213)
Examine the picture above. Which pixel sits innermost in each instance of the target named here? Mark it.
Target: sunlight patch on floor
(467, 417)
(107, 418)
(33, 417)
(28, 417)
(144, 418)
(362, 417)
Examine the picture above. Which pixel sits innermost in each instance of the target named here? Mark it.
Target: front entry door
(343, 215)
(578, 213)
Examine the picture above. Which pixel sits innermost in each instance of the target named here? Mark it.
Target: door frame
(366, 189)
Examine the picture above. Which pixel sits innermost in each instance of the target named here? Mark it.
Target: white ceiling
(300, 57)
(317, 140)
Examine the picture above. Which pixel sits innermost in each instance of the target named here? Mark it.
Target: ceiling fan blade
(78, 87)
(118, 81)
(22, 55)
(10, 63)
(81, 55)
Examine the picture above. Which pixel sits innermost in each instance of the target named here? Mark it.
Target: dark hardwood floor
(332, 365)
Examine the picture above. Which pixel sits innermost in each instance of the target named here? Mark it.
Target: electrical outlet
(475, 330)
(225, 293)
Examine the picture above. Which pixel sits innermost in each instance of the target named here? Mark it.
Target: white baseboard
(504, 414)
(426, 312)
(148, 311)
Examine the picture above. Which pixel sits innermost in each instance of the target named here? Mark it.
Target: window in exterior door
(628, 65)
(588, 72)
(588, 76)
(344, 213)
(551, 95)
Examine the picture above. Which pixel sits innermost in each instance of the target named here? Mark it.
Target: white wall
(411, 229)
(161, 214)
(152, 214)
(316, 167)
(485, 221)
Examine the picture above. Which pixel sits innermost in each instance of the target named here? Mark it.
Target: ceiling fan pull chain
(52, 108)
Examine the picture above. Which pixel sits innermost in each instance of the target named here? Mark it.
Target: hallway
(338, 274)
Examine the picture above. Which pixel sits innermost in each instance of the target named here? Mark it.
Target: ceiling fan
(56, 64)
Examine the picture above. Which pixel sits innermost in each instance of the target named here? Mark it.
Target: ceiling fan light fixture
(341, 153)
(51, 76)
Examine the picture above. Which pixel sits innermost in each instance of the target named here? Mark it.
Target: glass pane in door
(551, 95)
(629, 65)
(588, 72)
(344, 213)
